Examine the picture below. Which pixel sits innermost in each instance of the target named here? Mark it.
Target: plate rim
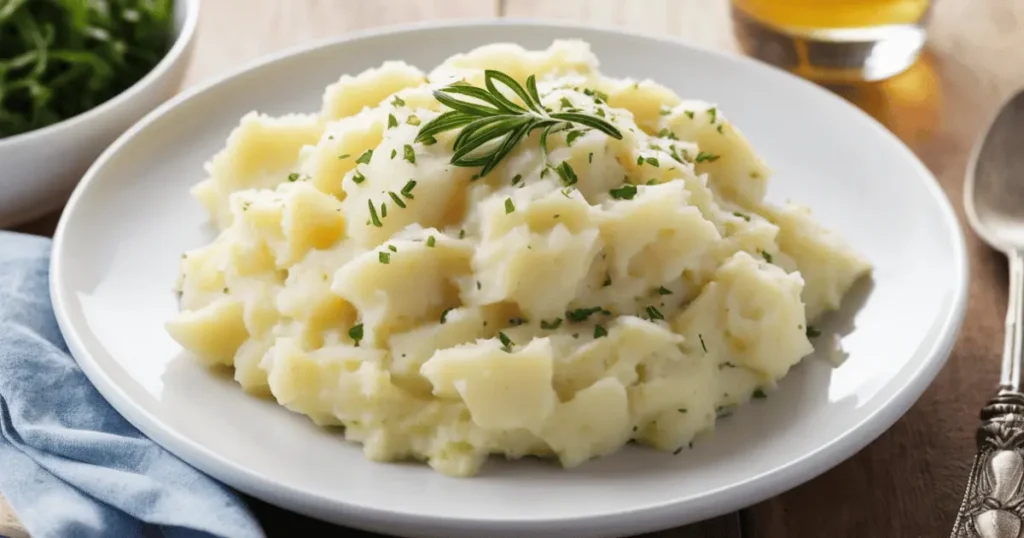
(650, 517)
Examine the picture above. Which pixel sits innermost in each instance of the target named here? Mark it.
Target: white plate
(117, 248)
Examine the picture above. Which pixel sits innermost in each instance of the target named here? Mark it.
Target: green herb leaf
(812, 332)
(444, 315)
(356, 333)
(705, 156)
(384, 257)
(652, 161)
(373, 214)
(759, 394)
(701, 337)
(567, 174)
(517, 179)
(397, 101)
(550, 325)
(713, 112)
(689, 114)
(506, 342)
(600, 331)
(344, 156)
(767, 257)
(581, 314)
(409, 154)
(407, 189)
(293, 177)
(572, 136)
(392, 121)
(654, 314)
(741, 215)
(664, 291)
(398, 201)
(625, 192)
(412, 119)
(509, 206)
(431, 241)
(365, 157)
(492, 125)
(394, 153)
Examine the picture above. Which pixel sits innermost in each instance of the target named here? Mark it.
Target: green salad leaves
(59, 58)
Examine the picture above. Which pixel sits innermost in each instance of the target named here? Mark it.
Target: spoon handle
(993, 506)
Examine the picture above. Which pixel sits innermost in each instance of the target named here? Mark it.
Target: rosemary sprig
(493, 124)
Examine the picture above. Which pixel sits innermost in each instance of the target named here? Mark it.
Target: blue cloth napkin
(70, 465)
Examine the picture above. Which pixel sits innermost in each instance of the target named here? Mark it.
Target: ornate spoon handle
(993, 506)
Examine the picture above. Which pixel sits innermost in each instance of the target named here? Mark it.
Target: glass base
(836, 55)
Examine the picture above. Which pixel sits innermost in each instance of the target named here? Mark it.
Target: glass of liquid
(833, 41)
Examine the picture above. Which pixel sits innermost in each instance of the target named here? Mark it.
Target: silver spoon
(993, 506)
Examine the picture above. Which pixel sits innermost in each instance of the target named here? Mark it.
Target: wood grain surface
(908, 482)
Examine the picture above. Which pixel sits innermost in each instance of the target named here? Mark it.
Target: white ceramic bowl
(38, 169)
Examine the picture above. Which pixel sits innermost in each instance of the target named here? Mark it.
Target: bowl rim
(173, 54)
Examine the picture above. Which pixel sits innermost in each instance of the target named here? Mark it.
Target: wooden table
(908, 482)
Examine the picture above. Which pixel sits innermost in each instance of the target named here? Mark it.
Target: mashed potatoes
(573, 299)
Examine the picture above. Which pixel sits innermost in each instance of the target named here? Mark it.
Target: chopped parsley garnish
(701, 337)
(462, 233)
(725, 365)
(812, 332)
(515, 322)
(384, 257)
(598, 96)
(667, 133)
(392, 248)
(444, 315)
(567, 174)
(407, 189)
(652, 161)
(356, 333)
(654, 314)
(509, 206)
(600, 112)
(408, 154)
(383, 209)
(767, 257)
(664, 110)
(677, 451)
(567, 192)
(600, 331)
(640, 160)
(565, 102)
(226, 290)
(713, 112)
(721, 128)
(572, 136)
(344, 156)
(398, 201)
(581, 314)
(664, 291)
(625, 192)
(590, 158)
(392, 121)
(705, 156)
(741, 215)
(413, 120)
(516, 180)
(293, 177)
(373, 214)
(506, 342)
(550, 325)
(365, 157)
(394, 153)
(431, 241)
(682, 410)
(689, 114)
(358, 177)
(397, 101)
(428, 140)
(759, 394)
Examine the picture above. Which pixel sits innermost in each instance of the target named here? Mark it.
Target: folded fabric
(70, 465)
